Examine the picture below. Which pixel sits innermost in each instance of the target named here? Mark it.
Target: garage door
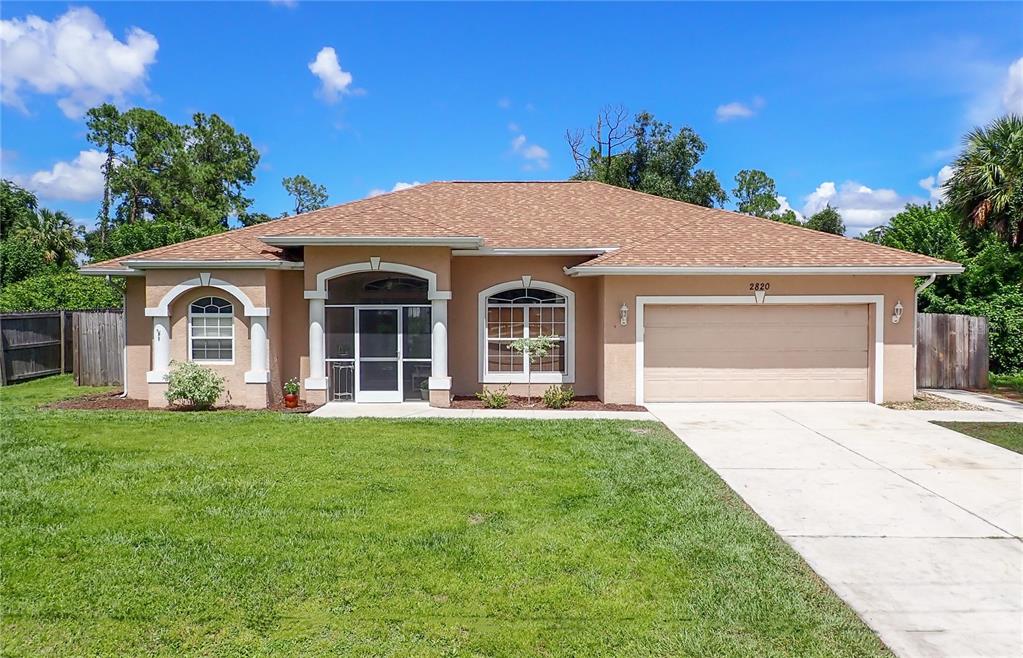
(755, 352)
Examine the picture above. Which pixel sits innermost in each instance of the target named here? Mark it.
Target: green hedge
(66, 290)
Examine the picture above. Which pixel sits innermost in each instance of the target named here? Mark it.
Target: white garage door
(755, 352)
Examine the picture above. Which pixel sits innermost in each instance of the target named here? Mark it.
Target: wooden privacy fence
(951, 351)
(37, 344)
(98, 347)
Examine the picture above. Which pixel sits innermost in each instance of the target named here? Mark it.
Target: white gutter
(372, 241)
(778, 271)
(256, 263)
(106, 271)
(923, 286)
(531, 251)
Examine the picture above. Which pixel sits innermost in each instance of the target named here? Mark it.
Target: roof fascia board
(373, 241)
(108, 271)
(915, 270)
(215, 264)
(530, 251)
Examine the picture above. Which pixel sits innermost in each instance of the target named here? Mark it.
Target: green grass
(1006, 435)
(253, 533)
(1011, 381)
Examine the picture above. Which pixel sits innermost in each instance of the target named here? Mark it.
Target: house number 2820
(758, 286)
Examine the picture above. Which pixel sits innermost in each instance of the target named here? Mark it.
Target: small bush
(558, 397)
(494, 398)
(291, 386)
(197, 385)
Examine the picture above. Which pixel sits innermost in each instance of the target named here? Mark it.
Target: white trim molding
(107, 271)
(876, 300)
(456, 241)
(531, 251)
(376, 266)
(239, 264)
(915, 270)
(204, 280)
(567, 377)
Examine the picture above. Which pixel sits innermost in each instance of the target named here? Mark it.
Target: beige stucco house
(417, 294)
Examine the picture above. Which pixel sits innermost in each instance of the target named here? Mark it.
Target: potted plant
(291, 393)
(424, 389)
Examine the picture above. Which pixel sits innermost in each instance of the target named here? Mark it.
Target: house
(417, 294)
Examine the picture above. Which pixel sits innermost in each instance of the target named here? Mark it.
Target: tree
(986, 187)
(533, 350)
(187, 179)
(17, 207)
(787, 217)
(826, 220)
(755, 194)
(253, 218)
(307, 194)
(59, 235)
(648, 156)
(107, 131)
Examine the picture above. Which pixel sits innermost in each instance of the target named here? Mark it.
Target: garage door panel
(756, 353)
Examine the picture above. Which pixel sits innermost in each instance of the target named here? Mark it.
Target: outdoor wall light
(623, 314)
(897, 313)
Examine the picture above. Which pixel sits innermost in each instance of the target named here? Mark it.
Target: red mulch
(580, 403)
(302, 408)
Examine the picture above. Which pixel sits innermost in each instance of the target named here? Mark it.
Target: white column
(439, 379)
(317, 379)
(161, 350)
(259, 372)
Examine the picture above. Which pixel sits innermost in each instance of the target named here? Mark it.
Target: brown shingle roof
(645, 230)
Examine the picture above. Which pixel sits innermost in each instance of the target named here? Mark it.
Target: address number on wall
(759, 286)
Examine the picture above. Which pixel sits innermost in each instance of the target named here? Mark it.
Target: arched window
(513, 312)
(211, 330)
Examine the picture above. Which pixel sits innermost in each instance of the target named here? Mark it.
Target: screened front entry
(378, 344)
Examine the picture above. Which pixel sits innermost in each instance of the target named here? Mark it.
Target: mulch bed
(1006, 392)
(113, 402)
(928, 402)
(580, 403)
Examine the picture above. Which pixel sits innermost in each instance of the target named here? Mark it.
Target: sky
(862, 106)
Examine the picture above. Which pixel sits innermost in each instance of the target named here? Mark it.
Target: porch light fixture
(897, 312)
(623, 314)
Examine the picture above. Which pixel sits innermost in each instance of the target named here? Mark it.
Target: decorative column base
(257, 377)
(440, 398)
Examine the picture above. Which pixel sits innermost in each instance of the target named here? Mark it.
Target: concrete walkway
(915, 526)
(424, 410)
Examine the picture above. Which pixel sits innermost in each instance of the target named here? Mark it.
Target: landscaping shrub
(558, 397)
(494, 398)
(65, 290)
(197, 385)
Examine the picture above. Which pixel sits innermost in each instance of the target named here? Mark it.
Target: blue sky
(852, 104)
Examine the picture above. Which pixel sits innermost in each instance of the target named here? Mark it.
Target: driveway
(915, 526)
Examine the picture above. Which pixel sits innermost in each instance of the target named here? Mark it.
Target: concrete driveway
(916, 527)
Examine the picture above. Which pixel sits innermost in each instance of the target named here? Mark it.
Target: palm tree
(987, 185)
(59, 235)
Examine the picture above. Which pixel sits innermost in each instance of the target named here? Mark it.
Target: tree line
(167, 182)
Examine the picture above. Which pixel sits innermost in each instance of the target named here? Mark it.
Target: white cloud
(78, 180)
(290, 4)
(738, 110)
(535, 155)
(783, 206)
(514, 127)
(933, 184)
(334, 81)
(76, 57)
(861, 207)
(504, 103)
(398, 187)
(1012, 93)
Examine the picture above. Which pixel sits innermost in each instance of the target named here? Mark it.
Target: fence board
(951, 351)
(99, 348)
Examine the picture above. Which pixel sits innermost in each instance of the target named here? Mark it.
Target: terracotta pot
(290, 400)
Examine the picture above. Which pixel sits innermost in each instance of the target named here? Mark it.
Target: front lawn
(1006, 435)
(255, 533)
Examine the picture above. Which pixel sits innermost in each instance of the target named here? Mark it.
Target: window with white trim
(211, 330)
(524, 313)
